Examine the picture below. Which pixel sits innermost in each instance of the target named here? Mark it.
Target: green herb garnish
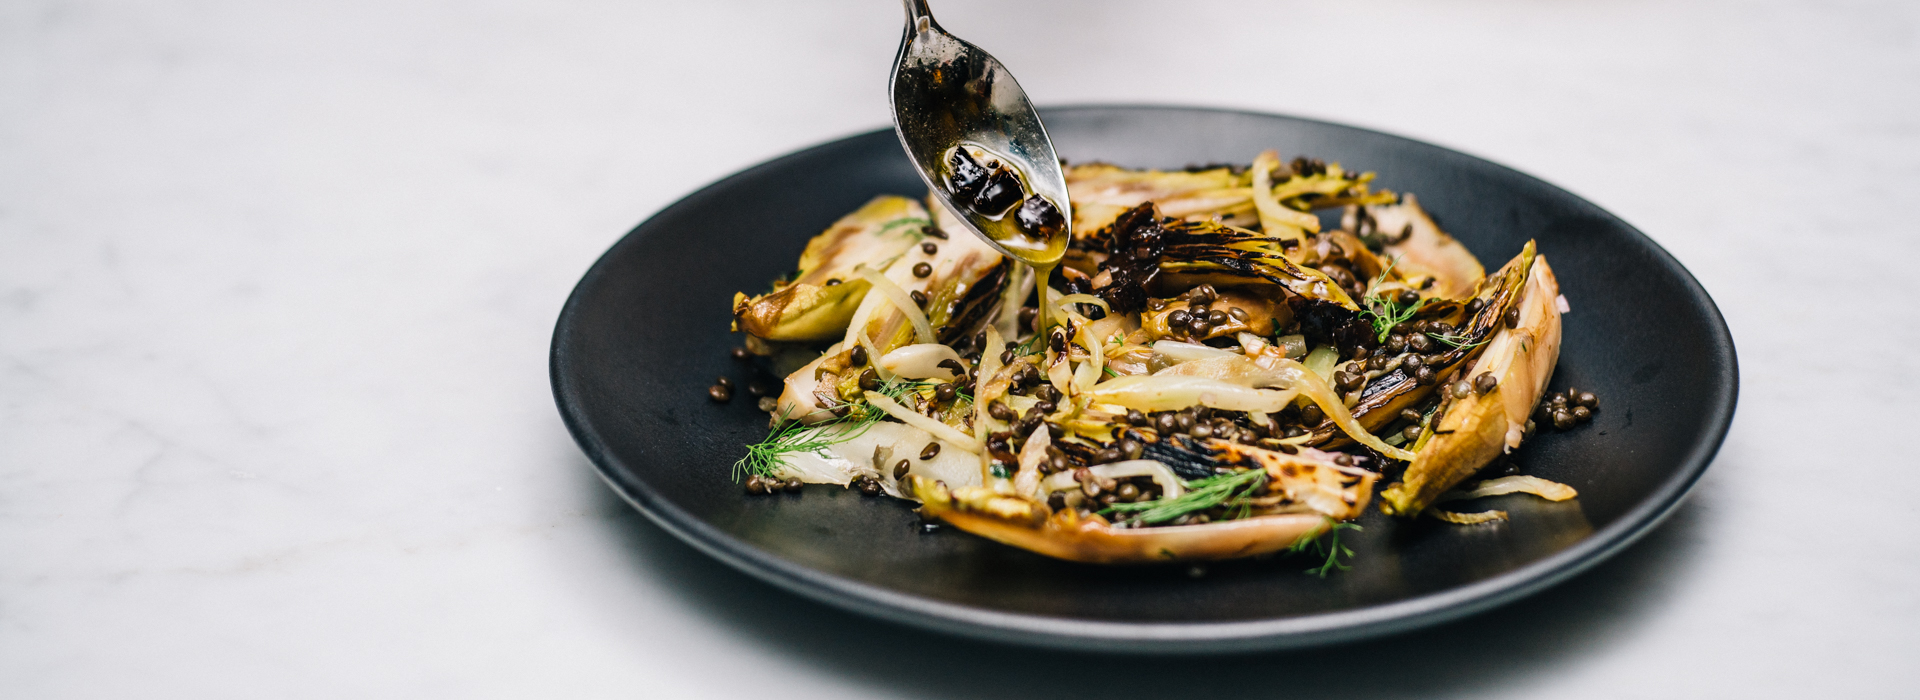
(1327, 544)
(1385, 313)
(1026, 347)
(791, 437)
(906, 221)
(1453, 340)
(1202, 494)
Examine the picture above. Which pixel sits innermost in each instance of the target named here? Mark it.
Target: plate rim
(1156, 637)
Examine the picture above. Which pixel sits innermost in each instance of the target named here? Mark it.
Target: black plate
(645, 333)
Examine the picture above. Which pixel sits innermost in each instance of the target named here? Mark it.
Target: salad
(1211, 372)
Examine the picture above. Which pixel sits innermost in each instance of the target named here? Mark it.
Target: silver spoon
(949, 94)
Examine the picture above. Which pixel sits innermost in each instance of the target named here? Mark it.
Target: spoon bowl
(949, 94)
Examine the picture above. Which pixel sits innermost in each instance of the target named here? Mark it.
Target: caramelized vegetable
(1304, 494)
(1207, 375)
(821, 299)
(1491, 418)
(1419, 249)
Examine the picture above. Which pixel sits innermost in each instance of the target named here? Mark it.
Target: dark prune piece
(1039, 218)
(1001, 191)
(965, 177)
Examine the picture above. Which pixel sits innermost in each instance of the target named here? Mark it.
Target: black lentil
(922, 269)
(719, 394)
(929, 247)
(1485, 383)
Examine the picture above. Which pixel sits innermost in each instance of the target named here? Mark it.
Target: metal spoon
(946, 93)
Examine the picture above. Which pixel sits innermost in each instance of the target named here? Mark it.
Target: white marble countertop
(277, 282)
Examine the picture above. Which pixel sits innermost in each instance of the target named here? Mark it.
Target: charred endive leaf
(1148, 254)
(1299, 478)
(1100, 192)
(1278, 197)
(1395, 389)
(1475, 425)
(961, 287)
(1303, 494)
(820, 300)
(1420, 250)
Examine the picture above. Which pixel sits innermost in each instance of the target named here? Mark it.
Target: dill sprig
(1327, 544)
(1384, 312)
(1026, 347)
(1201, 495)
(1454, 340)
(791, 437)
(907, 221)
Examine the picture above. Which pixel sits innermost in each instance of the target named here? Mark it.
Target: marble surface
(277, 281)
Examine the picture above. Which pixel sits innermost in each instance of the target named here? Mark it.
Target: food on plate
(1210, 373)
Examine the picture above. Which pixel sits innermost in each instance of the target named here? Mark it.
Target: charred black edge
(1478, 330)
(1184, 455)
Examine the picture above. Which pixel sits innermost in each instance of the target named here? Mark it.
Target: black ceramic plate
(645, 333)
